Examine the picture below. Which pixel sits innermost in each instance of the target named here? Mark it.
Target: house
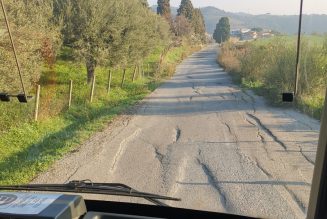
(245, 34)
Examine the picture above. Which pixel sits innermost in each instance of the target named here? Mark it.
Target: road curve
(203, 139)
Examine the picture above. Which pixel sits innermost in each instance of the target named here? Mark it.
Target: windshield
(177, 98)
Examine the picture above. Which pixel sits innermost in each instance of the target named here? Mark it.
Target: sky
(280, 7)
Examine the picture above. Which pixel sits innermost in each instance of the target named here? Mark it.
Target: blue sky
(260, 6)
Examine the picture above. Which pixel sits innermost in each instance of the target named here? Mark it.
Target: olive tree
(136, 33)
(86, 29)
(35, 38)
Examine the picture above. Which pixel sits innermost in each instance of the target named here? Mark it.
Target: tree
(35, 38)
(222, 32)
(87, 29)
(182, 26)
(198, 25)
(136, 33)
(194, 23)
(110, 32)
(186, 9)
(163, 9)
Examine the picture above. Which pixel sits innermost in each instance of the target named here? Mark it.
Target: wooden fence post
(123, 79)
(70, 94)
(109, 82)
(37, 102)
(92, 89)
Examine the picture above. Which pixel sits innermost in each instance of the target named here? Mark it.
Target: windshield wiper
(86, 186)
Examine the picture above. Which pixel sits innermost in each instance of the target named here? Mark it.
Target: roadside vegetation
(80, 40)
(268, 67)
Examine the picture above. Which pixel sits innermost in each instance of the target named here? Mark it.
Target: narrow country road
(203, 139)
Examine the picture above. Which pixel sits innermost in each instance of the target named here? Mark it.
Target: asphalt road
(203, 139)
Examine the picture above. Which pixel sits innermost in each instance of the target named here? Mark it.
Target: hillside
(284, 24)
(281, 23)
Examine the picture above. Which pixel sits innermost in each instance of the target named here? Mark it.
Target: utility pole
(298, 54)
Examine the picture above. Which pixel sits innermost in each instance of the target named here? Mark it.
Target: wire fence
(55, 98)
(63, 88)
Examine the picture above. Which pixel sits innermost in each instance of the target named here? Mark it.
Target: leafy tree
(109, 32)
(222, 32)
(163, 32)
(182, 26)
(36, 39)
(163, 8)
(195, 21)
(87, 29)
(199, 25)
(137, 33)
(186, 9)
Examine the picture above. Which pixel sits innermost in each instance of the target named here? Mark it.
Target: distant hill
(282, 23)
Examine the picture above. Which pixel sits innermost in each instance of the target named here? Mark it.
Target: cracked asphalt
(203, 139)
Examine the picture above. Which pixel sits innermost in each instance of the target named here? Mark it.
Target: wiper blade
(88, 187)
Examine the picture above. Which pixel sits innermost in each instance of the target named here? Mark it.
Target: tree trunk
(90, 67)
(142, 70)
(138, 71)
(123, 79)
(109, 81)
(134, 73)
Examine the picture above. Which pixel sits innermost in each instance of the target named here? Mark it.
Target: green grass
(292, 40)
(312, 105)
(28, 148)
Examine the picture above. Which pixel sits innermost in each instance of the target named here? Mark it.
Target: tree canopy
(115, 33)
(163, 8)
(186, 9)
(189, 22)
(182, 27)
(36, 40)
(222, 32)
(198, 24)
